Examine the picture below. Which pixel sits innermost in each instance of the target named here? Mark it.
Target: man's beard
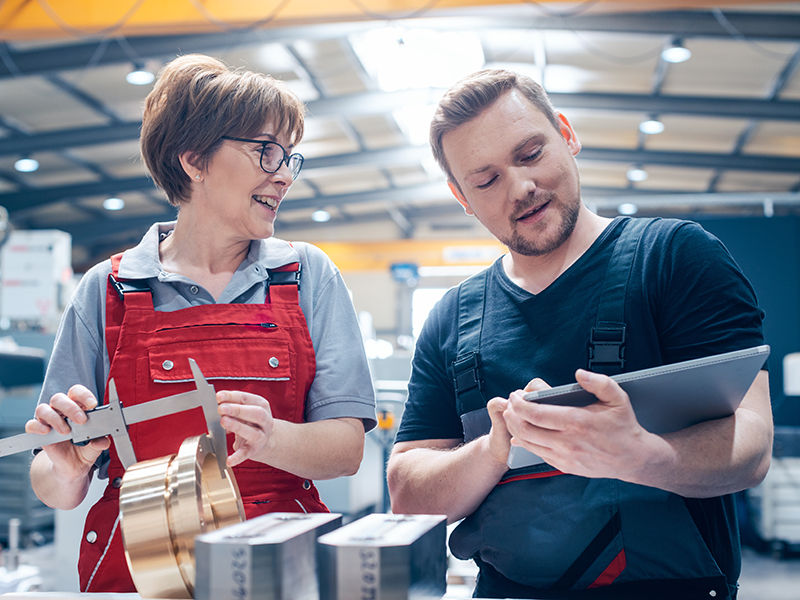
(540, 246)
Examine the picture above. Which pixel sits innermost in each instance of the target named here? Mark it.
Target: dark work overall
(260, 348)
(541, 533)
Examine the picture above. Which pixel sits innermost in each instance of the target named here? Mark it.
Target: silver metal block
(271, 557)
(384, 557)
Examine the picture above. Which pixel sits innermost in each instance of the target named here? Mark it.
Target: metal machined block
(271, 557)
(385, 557)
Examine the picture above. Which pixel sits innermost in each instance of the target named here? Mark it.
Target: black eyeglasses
(273, 155)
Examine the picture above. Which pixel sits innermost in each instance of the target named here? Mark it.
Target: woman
(296, 394)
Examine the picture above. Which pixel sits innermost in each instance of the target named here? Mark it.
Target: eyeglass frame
(286, 156)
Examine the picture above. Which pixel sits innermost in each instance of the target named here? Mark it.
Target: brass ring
(164, 503)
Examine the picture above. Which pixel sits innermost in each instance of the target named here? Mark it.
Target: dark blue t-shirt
(686, 299)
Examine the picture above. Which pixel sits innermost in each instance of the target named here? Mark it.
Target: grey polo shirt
(342, 386)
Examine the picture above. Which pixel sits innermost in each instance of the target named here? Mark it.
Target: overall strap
(121, 295)
(283, 284)
(467, 379)
(607, 338)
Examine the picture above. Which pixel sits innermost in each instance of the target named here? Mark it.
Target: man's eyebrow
(536, 137)
(478, 170)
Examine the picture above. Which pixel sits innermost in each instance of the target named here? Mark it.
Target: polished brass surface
(165, 502)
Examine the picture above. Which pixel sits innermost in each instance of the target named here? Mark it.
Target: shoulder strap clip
(284, 277)
(607, 346)
(466, 373)
(126, 287)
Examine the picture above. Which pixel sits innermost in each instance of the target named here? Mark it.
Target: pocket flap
(221, 359)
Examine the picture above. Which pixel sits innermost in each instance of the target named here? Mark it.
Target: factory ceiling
(730, 143)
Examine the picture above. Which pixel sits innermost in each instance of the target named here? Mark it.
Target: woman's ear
(189, 163)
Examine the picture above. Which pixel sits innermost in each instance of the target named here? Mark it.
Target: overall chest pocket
(258, 366)
(238, 359)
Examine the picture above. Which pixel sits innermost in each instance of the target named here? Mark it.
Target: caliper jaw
(107, 420)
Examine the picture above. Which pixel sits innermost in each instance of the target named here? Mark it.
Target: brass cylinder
(164, 503)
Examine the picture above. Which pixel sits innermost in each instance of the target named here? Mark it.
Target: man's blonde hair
(197, 100)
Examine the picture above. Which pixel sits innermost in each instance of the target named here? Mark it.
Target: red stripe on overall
(260, 348)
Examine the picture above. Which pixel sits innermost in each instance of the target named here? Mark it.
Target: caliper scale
(164, 502)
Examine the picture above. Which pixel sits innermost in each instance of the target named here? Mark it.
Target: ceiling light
(320, 216)
(627, 208)
(139, 76)
(401, 58)
(676, 53)
(26, 165)
(113, 203)
(651, 127)
(636, 174)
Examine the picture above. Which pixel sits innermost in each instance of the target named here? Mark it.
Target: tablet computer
(669, 397)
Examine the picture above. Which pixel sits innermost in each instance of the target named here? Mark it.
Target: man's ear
(569, 135)
(460, 197)
(191, 165)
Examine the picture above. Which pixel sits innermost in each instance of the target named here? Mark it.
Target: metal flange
(164, 503)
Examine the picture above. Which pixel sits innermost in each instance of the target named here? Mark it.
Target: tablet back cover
(670, 397)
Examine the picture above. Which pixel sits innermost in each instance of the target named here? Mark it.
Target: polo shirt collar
(142, 261)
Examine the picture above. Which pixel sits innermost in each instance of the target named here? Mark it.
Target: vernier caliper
(113, 419)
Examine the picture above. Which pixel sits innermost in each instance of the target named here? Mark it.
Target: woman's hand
(70, 462)
(249, 418)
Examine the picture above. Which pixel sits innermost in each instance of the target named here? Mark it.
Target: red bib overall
(260, 348)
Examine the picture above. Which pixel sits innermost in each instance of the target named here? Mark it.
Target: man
(615, 511)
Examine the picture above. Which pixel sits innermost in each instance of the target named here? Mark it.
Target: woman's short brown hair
(197, 100)
(472, 95)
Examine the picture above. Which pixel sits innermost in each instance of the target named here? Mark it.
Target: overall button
(194, 289)
(274, 362)
(167, 365)
(91, 537)
(306, 484)
(116, 482)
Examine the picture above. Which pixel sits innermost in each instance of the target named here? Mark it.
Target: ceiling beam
(59, 139)
(378, 102)
(775, 26)
(602, 199)
(34, 197)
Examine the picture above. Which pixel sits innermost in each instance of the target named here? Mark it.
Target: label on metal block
(358, 573)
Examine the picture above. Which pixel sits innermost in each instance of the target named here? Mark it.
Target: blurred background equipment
(21, 374)
(35, 278)
(14, 576)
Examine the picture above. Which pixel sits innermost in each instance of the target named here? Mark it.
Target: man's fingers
(536, 385)
(602, 386)
(496, 406)
(526, 413)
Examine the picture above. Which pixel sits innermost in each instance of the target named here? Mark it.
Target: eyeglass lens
(272, 155)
